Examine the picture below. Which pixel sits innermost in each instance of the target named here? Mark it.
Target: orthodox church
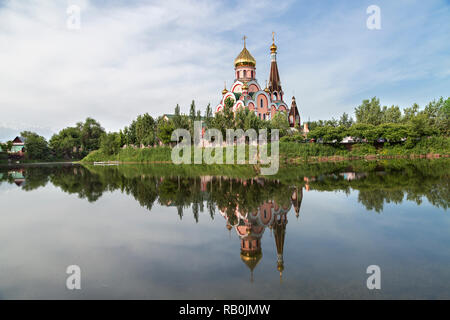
(247, 93)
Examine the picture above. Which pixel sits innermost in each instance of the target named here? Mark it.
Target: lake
(170, 232)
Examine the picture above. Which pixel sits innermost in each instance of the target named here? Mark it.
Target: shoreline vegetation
(293, 152)
(375, 132)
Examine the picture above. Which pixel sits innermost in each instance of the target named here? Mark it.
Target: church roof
(274, 78)
(244, 58)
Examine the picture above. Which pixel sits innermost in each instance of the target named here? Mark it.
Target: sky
(132, 57)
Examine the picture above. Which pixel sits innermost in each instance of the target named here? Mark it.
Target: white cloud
(147, 57)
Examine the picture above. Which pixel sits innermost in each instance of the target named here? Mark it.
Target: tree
(91, 131)
(165, 129)
(345, 120)
(409, 113)
(110, 143)
(36, 147)
(438, 115)
(280, 122)
(391, 115)
(192, 111)
(369, 112)
(145, 130)
(208, 115)
(67, 143)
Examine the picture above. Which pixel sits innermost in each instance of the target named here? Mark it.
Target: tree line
(372, 123)
(70, 143)
(387, 124)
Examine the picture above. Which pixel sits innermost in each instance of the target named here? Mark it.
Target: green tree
(67, 143)
(391, 115)
(208, 115)
(280, 122)
(345, 120)
(409, 113)
(110, 143)
(36, 147)
(369, 112)
(145, 130)
(165, 129)
(91, 131)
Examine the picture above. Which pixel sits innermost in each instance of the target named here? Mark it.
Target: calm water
(176, 233)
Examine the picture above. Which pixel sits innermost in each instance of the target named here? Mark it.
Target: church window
(261, 103)
(245, 73)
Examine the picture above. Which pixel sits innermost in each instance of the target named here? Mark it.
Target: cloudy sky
(132, 57)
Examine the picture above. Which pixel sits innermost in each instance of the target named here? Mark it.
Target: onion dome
(266, 89)
(244, 86)
(224, 91)
(273, 47)
(244, 58)
(251, 260)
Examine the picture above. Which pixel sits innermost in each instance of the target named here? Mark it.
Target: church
(247, 93)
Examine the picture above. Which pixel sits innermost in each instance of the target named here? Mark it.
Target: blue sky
(132, 57)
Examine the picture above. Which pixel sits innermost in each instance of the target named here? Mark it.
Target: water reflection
(250, 227)
(377, 184)
(330, 246)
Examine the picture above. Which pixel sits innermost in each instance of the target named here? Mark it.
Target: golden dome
(244, 59)
(251, 260)
(280, 266)
(224, 91)
(229, 227)
(245, 86)
(267, 90)
(273, 48)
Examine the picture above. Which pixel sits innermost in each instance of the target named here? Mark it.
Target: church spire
(274, 78)
(279, 229)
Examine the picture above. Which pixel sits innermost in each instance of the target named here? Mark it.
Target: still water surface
(149, 232)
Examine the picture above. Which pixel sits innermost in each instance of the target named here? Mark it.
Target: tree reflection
(377, 184)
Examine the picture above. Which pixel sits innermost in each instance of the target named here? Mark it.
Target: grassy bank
(292, 151)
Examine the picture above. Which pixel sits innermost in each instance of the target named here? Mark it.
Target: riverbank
(293, 152)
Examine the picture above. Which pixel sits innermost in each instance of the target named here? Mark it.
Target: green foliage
(145, 130)
(280, 122)
(391, 115)
(90, 134)
(36, 147)
(67, 143)
(345, 121)
(110, 143)
(165, 129)
(369, 112)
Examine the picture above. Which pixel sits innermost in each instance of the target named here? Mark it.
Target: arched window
(264, 116)
(275, 96)
(261, 103)
(251, 74)
(245, 73)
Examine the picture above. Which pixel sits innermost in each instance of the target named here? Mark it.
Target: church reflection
(250, 227)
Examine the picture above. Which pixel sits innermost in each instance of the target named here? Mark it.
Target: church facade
(247, 93)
